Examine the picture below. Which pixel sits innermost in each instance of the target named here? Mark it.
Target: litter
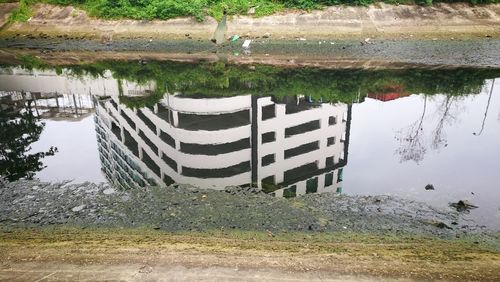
(246, 44)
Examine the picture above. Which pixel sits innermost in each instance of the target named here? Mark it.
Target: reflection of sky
(468, 164)
(77, 157)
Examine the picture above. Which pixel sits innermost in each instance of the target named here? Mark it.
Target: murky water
(288, 132)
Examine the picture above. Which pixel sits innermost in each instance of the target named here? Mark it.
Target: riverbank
(337, 54)
(379, 21)
(137, 254)
(185, 208)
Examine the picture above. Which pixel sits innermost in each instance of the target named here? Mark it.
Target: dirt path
(376, 21)
(62, 254)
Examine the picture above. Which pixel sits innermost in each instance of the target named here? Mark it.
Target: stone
(429, 187)
(78, 208)
(109, 191)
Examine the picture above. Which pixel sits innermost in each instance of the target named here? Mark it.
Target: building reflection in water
(288, 147)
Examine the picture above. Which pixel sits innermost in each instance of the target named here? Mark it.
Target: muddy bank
(377, 21)
(141, 254)
(184, 208)
(389, 54)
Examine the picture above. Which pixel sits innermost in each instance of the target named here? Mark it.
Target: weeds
(199, 9)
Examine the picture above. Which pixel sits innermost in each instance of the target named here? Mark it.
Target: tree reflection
(439, 135)
(19, 128)
(411, 141)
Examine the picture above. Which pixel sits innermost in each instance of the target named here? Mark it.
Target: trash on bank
(246, 44)
(235, 38)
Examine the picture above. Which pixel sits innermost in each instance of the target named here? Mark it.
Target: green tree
(19, 128)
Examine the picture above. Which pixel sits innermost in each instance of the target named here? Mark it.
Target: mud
(326, 54)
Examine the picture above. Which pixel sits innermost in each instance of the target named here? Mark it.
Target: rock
(266, 35)
(429, 187)
(78, 208)
(463, 205)
(109, 191)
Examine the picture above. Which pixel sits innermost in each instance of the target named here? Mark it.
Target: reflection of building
(389, 93)
(286, 148)
(62, 97)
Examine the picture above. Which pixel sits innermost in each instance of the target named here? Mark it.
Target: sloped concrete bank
(381, 21)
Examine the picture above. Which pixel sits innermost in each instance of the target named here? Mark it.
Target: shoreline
(378, 54)
(379, 21)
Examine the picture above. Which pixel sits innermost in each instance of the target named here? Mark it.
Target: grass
(22, 13)
(167, 9)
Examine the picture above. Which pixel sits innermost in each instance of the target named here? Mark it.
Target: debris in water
(429, 187)
(302, 39)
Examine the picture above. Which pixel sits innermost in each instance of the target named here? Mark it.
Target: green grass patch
(167, 9)
(21, 13)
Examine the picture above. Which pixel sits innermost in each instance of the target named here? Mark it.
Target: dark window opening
(268, 112)
(330, 141)
(150, 163)
(302, 149)
(146, 121)
(165, 114)
(116, 130)
(214, 122)
(298, 172)
(312, 185)
(332, 120)
(168, 180)
(215, 149)
(148, 142)
(302, 128)
(330, 161)
(269, 184)
(131, 143)
(170, 162)
(165, 137)
(128, 119)
(290, 192)
(267, 160)
(328, 179)
(268, 137)
(217, 172)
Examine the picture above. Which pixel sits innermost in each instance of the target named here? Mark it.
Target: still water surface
(389, 139)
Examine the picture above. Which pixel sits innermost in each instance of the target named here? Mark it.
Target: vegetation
(19, 128)
(318, 85)
(166, 9)
(22, 13)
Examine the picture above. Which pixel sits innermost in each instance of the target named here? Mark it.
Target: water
(288, 132)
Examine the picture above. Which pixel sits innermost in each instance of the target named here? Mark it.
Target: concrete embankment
(380, 21)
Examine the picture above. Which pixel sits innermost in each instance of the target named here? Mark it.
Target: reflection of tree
(18, 130)
(439, 136)
(411, 144)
